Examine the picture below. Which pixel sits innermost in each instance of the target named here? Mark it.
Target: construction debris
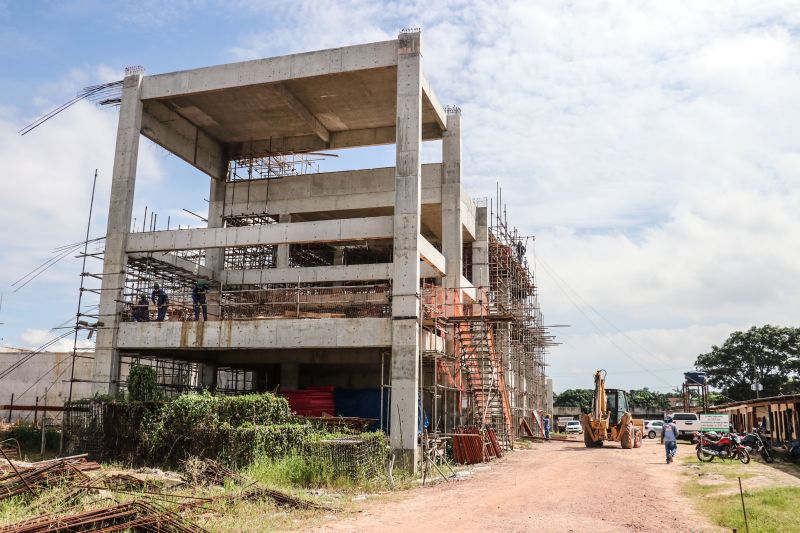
(132, 516)
(18, 478)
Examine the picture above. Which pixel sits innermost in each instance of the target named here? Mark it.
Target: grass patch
(768, 510)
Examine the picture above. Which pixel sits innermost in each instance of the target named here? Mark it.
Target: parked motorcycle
(794, 450)
(754, 441)
(728, 446)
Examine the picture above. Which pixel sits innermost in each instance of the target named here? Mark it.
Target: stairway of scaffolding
(497, 343)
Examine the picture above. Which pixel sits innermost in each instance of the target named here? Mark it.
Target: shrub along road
(554, 486)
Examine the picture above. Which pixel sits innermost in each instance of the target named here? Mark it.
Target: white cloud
(33, 339)
(651, 147)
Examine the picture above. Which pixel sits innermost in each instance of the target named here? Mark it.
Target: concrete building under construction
(389, 279)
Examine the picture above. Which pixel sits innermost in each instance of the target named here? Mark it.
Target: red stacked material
(468, 446)
(313, 401)
(493, 442)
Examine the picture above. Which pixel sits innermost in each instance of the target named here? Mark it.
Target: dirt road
(555, 486)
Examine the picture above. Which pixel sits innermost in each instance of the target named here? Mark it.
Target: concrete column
(282, 258)
(338, 256)
(452, 236)
(215, 257)
(105, 375)
(290, 375)
(405, 281)
(480, 249)
(208, 376)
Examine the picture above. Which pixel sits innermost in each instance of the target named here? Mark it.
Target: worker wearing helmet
(199, 299)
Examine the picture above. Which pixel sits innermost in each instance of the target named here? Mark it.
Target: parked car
(574, 426)
(687, 423)
(653, 428)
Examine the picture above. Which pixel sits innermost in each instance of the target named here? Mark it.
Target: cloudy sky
(651, 147)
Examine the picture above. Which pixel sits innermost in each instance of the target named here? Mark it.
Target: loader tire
(626, 437)
(587, 440)
(637, 439)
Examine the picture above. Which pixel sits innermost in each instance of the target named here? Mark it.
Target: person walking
(161, 300)
(199, 299)
(547, 427)
(669, 438)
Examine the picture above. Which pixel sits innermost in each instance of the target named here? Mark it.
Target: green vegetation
(770, 507)
(768, 510)
(143, 383)
(582, 398)
(30, 437)
(771, 353)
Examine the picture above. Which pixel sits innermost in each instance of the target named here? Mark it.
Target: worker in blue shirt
(547, 426)
(669, 438)
(160, 299)
(199, 299)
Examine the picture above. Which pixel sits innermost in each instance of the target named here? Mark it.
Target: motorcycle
(794, 450)
(754, 441)
(727, 446)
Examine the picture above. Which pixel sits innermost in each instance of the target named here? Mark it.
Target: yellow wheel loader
(610, 419)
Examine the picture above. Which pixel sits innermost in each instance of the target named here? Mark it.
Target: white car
(687, 423)
(574, 426)
(653, 428)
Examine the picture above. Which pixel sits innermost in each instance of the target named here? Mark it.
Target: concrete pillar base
(406, 459)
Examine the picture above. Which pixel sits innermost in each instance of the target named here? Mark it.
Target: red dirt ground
(555, 486)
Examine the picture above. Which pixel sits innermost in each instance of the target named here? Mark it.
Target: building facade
(390, 279)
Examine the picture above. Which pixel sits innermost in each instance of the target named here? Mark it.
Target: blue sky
(652, 148)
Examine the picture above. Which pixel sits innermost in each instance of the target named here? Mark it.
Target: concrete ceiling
(319, 105)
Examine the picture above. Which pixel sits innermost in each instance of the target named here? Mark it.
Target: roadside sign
(756, 386)
(714, 422)
(565, 419)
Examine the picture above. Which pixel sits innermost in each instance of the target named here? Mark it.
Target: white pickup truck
(687, 423)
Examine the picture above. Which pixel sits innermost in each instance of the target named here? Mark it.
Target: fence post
(10, 407)
(36, 411)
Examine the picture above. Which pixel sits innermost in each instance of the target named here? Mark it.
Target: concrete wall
(45, 375)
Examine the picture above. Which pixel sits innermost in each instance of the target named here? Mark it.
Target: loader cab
(616, 405)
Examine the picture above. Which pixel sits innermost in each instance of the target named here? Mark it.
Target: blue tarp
(366, 403)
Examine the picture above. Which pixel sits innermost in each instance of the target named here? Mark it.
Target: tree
(575, 398)
(646, 398)
(767, 354)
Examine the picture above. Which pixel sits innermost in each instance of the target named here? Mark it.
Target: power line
(599, 330)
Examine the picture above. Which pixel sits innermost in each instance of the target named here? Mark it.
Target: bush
(30, 437)
(231, 428)
(143, 383)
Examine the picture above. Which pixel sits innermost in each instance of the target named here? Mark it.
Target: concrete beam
(272, 334)
(468, 215)
(342, 230)
(179, 136)
(322, 274)
(259, 71)
(338, 140)
(302, 111)
(432, 256)
(326, 192)
(430, 97)
(177, 262)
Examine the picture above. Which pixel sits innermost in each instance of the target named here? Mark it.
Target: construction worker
(199, 299)
(547, 426)
(161, 300)
(141, 309)
(669, 438)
